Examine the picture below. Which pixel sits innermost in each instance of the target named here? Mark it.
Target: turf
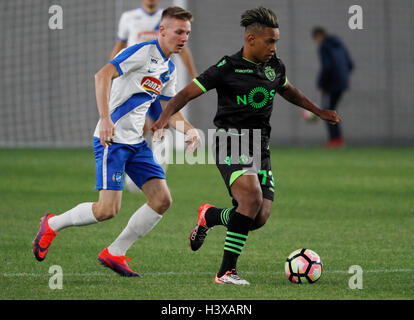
(352, 206)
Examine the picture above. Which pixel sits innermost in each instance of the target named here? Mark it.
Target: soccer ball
(302, 265)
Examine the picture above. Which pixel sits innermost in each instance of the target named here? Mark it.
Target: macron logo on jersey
(152, 84)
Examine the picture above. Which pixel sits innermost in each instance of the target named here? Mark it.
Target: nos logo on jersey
(151, 84)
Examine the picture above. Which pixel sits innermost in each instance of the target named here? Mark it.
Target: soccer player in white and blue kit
(125, 88)
(137, 26)
(141, 25)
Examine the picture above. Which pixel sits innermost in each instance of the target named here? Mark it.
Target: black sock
(237, 230)
(254, 226)
(218, 216)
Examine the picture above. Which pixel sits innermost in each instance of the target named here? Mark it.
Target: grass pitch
(353, 206)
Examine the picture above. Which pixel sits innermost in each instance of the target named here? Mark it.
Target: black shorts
(236, 154)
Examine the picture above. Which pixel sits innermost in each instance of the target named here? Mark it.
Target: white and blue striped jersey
(136, 26)
(144, 74)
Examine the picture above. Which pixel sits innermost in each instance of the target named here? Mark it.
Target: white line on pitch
(172, 273)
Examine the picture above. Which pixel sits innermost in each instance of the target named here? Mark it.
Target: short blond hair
(177, 13)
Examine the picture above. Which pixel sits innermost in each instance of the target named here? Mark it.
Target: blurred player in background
(136, 26)
(125, 88)
(246, 84)
(142, 24)
(333, 79)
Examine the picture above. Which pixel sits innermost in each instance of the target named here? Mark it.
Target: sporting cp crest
(270, 73)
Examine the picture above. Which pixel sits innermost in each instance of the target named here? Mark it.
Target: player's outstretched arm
(177, 120)
(296, 97)
(190, 92)
(103, 80)
(181, 124)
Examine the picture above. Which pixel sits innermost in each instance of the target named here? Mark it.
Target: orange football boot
(117, 263)
(199, 233)
(44, 238)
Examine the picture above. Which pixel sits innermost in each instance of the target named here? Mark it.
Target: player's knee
(165, 203)
(257, 198)
(161, 203)
(252, 200)
(106, 212)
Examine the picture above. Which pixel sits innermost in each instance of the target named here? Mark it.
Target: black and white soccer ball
(303, 265)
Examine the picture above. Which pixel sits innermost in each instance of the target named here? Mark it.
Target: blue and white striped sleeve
(129, 59)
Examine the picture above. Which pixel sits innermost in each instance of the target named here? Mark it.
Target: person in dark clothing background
(333, 79)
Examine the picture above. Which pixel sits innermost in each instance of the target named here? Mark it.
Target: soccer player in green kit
(246, 84)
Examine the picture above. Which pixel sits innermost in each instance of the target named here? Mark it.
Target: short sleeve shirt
(245, 90)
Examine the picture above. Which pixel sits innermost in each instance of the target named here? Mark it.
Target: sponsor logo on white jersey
(152, 84)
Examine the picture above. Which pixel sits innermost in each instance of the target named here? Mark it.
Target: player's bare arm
(181, 124)
(190, 92)
(177, 119)
(103, 80)
(293, 95)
